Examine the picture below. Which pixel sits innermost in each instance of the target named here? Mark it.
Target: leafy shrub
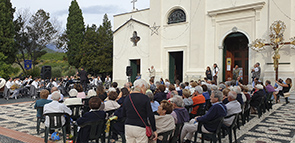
(70, 72)
(56, 72)
(35, 72)
(6, 70)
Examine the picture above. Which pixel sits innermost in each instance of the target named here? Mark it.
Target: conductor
(83, 78)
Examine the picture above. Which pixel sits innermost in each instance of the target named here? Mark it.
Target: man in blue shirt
(217, 110)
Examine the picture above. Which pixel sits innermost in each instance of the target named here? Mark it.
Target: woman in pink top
(79, 88)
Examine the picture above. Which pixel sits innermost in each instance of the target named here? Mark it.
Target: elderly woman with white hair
(240, 95)
(56, 107)
(180, 114)
(137, 110)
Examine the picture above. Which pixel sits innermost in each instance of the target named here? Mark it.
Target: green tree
(75, 33)
(32, 36)
(89, 49)
(7, 30)
(105, 38)
(21, 41)
(5, 69)
(97, 48)
(41, 32)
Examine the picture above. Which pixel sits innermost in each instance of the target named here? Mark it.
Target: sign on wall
(228, 64)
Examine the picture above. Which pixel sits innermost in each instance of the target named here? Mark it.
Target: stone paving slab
(5, 139)
(274, 126)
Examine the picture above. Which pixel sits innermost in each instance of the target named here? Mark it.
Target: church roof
(131, 19)
(135, 11)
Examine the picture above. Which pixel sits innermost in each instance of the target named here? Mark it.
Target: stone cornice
(254, 6)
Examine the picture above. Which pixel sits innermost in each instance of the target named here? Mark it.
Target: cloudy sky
(93, 10)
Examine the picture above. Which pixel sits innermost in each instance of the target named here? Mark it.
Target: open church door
(236, 52)
(175, 66)
(171, 67)
(135, 65)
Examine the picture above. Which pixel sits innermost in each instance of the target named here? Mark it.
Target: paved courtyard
(275, 126)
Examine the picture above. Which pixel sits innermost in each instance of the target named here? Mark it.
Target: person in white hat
(73, 100)
(91, 93)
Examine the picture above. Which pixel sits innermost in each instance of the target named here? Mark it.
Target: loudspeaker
(128, 71)
(46, 72)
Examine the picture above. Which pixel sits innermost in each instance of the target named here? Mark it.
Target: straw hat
(73, 101)
(259, 86)
(73, 92)
(2, 82)
(91, 93)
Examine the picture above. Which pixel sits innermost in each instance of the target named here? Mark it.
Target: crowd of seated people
(217, 110)
(160, 103)
(20, 86)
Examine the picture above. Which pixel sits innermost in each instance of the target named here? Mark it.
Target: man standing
(83, 78)
(152, 72)
(236, 72)
(256, 71)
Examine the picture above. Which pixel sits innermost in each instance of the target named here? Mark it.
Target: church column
(220, 73)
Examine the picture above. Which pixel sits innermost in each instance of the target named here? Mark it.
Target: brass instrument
(14, 86)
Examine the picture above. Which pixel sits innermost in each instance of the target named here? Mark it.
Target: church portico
(197, 30)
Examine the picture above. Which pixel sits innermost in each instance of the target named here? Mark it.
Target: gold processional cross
(277, 30)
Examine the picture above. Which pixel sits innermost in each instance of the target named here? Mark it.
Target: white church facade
(180, 38)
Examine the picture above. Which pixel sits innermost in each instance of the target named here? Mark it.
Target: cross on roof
(133, 1)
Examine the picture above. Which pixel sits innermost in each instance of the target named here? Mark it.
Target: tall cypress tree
(91, 56)
(7, 30)
(105, 37)
(75, 31)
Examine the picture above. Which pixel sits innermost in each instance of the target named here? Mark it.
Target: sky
(93, 10)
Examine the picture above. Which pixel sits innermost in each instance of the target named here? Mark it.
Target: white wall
(201, 36)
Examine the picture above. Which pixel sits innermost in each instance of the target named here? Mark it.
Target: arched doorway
(236, 52)
(175, 66)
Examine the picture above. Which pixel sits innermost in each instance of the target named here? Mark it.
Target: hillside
(49, 50)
